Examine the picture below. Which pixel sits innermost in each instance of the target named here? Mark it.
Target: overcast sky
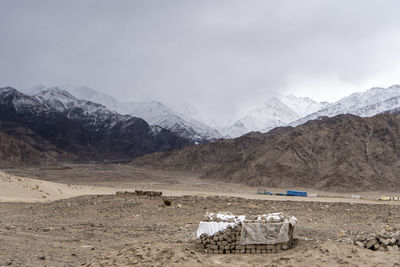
(214, 54)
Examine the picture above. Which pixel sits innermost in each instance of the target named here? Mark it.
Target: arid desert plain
(71, 217)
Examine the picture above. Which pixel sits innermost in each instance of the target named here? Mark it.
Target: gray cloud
(214, 54)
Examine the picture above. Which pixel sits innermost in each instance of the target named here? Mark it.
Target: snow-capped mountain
(86, 93)
(53, 118)
(155, 113)
(364, 104)
(217, 120)
(276, 111)
(11, 99)
(90, 115)
(302, 106)
(93, 115)
(271, 114)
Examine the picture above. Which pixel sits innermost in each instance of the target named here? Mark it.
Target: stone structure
(255, 235)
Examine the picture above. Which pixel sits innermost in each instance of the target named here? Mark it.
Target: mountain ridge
(365, 104)
(153, 112)
(275, 112)
(278, 110)
(342, 153)
(83, 129)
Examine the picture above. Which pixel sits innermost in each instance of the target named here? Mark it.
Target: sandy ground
(128, 177)
(109, 230)
(22, 189)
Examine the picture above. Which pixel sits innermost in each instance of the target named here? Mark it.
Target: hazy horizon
(215, 55)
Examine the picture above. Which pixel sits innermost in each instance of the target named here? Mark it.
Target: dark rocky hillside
(15, 152)
(80, 132)
(344, 153)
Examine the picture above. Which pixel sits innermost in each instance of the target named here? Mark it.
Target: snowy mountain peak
(154, 112)
(62, 101)
(19, 100)
(302, 106)
(35, 89)
(86, 93)
(365, 104)
(188, 122)
(277, 110)
(7, 91)
(55, 92)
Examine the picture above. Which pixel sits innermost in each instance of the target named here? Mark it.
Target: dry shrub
(167, 202)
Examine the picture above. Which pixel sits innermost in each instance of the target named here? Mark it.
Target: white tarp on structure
(211, 228)
(264, 233)
(266, 229)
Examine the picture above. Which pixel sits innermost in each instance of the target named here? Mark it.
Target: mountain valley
(327, 149)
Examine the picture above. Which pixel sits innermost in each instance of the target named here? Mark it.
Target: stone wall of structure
(227, 241)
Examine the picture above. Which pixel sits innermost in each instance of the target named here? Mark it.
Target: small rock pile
(140, 193)
(228, 241)
(383, 241)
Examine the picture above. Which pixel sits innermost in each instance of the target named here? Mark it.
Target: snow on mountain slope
(91, 115)
(84, 92)
(150, 111)
(302, 106)
(155, 113)
(95, 115)
(277, 111)
(364, 104)
(61, 100)
(217, 120)
(270, 114)
(20, 102)
(54, 120)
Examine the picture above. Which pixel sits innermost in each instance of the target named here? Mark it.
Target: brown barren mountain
(343, 153)
(14, 152)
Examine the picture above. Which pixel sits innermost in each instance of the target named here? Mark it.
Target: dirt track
(124, 176)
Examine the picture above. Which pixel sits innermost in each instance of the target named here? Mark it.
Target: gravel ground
(114, 230)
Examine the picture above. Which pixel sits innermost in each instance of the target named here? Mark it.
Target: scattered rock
(383, 241)
(359, 244)
(341, 234)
